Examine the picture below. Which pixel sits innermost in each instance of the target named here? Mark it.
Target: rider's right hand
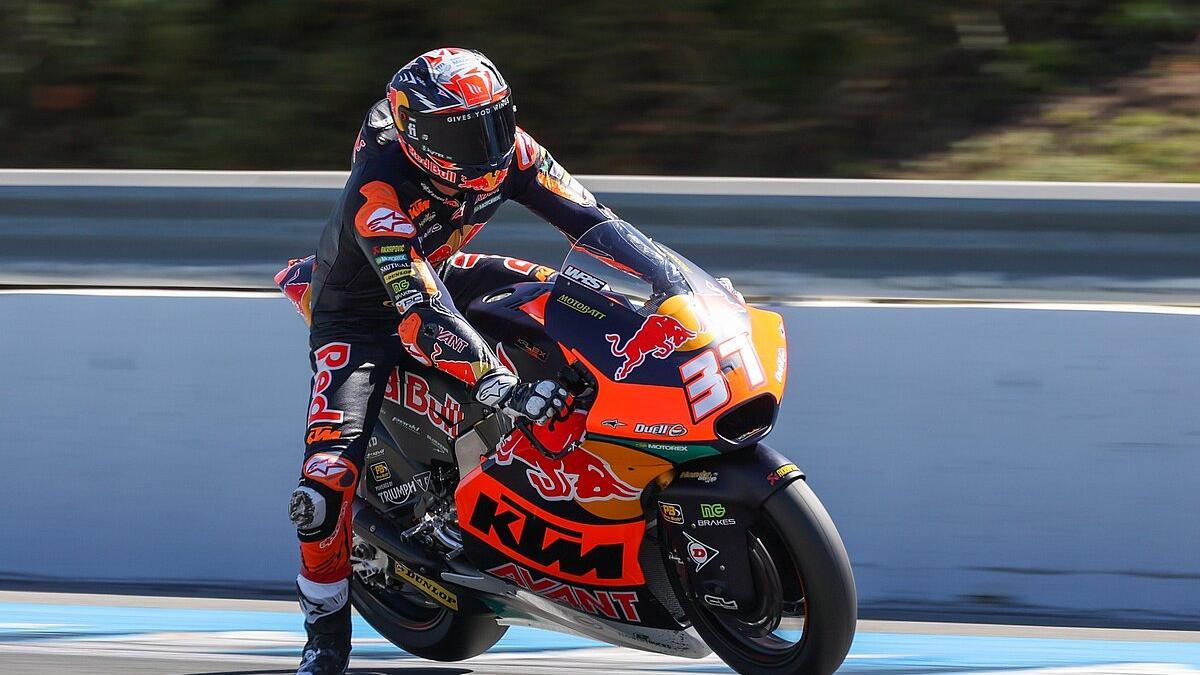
(537, 401)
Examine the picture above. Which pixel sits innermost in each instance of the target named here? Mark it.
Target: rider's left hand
(728, 284)
(537, 401)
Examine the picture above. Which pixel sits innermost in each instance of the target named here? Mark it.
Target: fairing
(672, 349)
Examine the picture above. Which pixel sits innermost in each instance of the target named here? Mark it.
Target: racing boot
(327, 622)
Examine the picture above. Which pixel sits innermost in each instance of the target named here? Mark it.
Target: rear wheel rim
(405, 606)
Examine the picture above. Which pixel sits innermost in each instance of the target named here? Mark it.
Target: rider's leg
(469, 275)
(350, 373)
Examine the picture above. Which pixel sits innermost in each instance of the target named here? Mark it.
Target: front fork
(704, 518)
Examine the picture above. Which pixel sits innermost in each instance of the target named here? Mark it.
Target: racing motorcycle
(649, 515)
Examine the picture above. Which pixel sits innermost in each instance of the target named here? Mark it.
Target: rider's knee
(326, 489)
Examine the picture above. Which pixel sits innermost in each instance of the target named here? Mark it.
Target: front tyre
(424, 629)
(810, 606)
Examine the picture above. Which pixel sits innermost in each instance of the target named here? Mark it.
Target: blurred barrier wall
(979, 462)
(777, 238)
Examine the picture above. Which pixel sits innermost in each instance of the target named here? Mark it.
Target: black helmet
(454, 117)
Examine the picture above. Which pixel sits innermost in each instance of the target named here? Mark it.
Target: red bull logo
(463, 370)
(485, 183)
(579, 475)
(659, 336)
(446, 173)
(445, 414)
(331, 357)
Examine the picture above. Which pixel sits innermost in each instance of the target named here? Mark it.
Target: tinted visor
(480, 136)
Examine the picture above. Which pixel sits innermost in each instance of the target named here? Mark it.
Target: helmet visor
(473, 137)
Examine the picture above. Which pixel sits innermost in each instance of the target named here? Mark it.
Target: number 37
(704, 382)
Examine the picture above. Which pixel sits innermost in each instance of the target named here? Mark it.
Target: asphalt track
(43, 633)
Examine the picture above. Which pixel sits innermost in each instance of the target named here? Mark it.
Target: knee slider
(309, 511)
(327, 482)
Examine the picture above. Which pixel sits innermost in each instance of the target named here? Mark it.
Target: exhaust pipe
(382, 534)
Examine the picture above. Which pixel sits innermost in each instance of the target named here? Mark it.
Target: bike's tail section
(295, 281)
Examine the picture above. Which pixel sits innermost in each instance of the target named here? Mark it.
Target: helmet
(454, 114)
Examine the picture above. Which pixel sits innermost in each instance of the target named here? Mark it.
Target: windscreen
(624, 288)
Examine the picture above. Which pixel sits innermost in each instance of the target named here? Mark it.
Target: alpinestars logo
(387, 221)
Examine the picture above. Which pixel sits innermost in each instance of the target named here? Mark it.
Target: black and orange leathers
(384, 270)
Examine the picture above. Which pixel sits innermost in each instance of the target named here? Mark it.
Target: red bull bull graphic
(487, 182)
(659, 336)
(463, 370)
(579, 475)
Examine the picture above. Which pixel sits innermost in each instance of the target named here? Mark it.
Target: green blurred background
(1021, 89)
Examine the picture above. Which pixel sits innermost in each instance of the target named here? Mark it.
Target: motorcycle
(649, 515)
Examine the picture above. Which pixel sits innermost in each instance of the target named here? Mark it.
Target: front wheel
(809, 608)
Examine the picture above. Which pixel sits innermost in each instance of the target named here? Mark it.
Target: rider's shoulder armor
(377, 132)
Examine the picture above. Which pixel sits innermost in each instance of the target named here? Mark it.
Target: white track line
(678, 185)
(903, 303)
(903, 627)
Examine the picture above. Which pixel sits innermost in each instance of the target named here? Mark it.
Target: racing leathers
(388, 282)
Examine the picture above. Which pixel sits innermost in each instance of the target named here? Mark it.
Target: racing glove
(537, 401)
(728, 284)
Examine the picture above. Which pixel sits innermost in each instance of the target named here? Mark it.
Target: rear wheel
(806, 617)
(415, 623)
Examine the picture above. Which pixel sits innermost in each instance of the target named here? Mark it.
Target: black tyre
(798, 555)
(426, 629)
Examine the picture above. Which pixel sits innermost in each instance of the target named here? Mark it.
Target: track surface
(42, 633)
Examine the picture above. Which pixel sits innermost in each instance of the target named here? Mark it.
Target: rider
(432, 163)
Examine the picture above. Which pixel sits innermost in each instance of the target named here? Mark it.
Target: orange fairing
(603, 478)
(631, 467)
(536, 308)
(717, 374)
(770, 341)
(595, 555)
